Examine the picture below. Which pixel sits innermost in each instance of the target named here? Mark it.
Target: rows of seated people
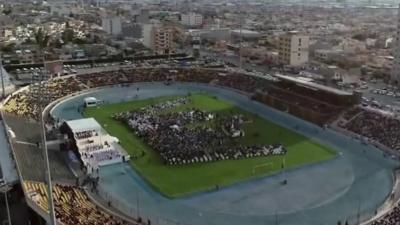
(391, 218)
(298, 100)
(182, 137)
(307, 95)
(236, 81)
(100, 156)
(84, 134)
(377, 127)
(21, 104)
(94, 147)
(349, 114)
(24, 104)
(321, 96)
(72, 205)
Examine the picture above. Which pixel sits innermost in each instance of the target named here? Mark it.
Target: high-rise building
(395, 73)
(158, 38)
(192, 19)
(293, 49)
(143, 17)
(196, 42)
(112, 25)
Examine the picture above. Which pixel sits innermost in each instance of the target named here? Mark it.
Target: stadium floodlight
(241, 36)
(41, 98)
(48, 177)
(3, 94)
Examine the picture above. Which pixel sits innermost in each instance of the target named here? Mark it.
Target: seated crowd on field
(72, 205)
(192, 136)
(375, 126)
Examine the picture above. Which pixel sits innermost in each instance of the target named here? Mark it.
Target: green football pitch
(179, 180)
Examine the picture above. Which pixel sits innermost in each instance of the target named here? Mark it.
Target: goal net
(262, 168)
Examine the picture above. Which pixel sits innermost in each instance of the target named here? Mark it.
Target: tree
(7, 48)
(68, 35)
(7, 11)
(359, 37)
(42, 38)
(79, 41)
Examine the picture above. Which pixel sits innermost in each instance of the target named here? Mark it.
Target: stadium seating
(391, 218)
(374, 125)
(23, 104)
(72, 205)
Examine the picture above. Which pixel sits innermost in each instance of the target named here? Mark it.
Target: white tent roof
(90, 99)
(83, 125)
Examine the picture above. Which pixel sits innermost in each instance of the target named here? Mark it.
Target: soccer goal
(262, 168)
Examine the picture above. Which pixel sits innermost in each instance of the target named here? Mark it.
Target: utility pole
(48, 173)
(5, 190)
(241, 38)
(42, 96)
(358, 211)
(137, 204)
(3, 93)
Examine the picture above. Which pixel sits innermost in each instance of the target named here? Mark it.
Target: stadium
(302, 157)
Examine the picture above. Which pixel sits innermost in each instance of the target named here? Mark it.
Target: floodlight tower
(395, 73)
(40, 95)
(241, 35)
(3, 94)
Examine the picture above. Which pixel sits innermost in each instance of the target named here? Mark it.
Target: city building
(158, 38)
(293, 49)
(112, 25)
(327, 55)
(25, 56)
(143, 17)
(245, 34)
(192, 19)
(395, 73)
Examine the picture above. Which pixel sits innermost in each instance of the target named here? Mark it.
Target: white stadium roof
(83, 125)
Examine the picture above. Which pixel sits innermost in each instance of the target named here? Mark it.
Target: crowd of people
(84, 134)
(304, 101)
(25, 103)
(293, 96)
(96, 149)
(375, 126)
(192, 136)
(392, 218)
(72, 205)
(349, 114)
(100, 156)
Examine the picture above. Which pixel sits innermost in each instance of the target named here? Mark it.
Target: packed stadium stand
(295, 98)
(72, 205)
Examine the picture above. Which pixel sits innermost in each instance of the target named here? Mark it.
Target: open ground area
(179, 180)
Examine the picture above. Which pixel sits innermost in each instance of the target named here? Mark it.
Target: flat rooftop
(313, 85)
(81, 125)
